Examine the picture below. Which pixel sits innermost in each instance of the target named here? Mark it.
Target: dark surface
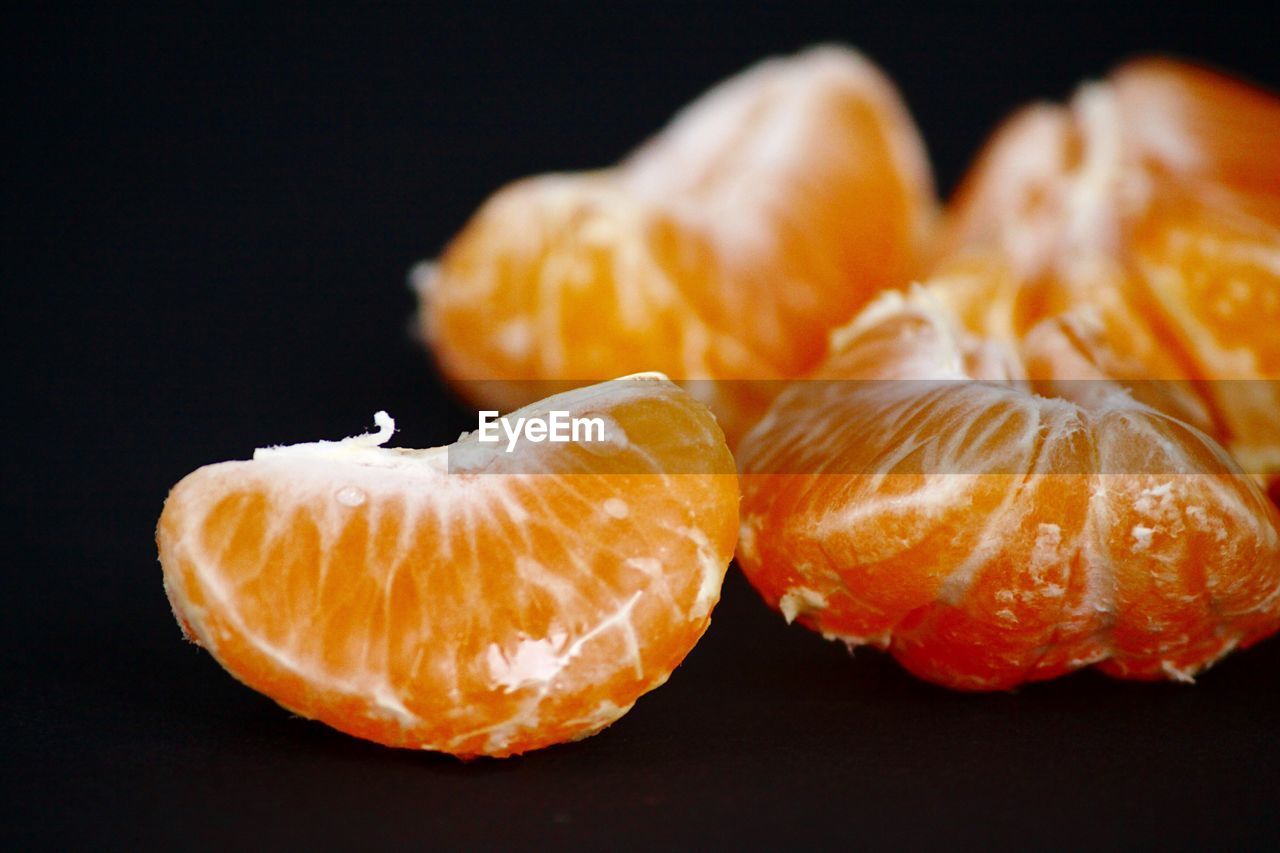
(208, 221)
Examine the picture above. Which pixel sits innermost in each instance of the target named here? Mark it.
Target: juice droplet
(351, 496)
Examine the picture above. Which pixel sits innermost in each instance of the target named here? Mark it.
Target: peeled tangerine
(926, 495)
(726, 247)
(463, 599)
(1148, 207)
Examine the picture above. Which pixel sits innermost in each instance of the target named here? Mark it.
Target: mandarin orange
(1151, 204)
(726, 247)
(463, 599)
(923, 493)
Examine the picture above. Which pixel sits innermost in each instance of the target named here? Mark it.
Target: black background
(208, 219)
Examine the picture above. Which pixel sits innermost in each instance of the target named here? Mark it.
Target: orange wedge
(1150, 207)
(466, 599)
(726, 247)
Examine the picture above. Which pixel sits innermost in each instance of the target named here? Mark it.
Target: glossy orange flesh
(526, 603)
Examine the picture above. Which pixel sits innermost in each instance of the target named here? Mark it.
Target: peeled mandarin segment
(990, 536)
(1148, 211)
(1193, 123)
(725, 248)
(1058, 184)
(813, 186)
(565, 277)
(1012, 201)
(462, 599)
(1211, 270)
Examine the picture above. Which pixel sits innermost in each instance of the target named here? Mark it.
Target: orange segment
(990, 535)
(1210, 269)
(1056, 184)
(813, 187)
(1149, 209)
(725, 248)
(568, 277)
(462, 599)
(1192, 123)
